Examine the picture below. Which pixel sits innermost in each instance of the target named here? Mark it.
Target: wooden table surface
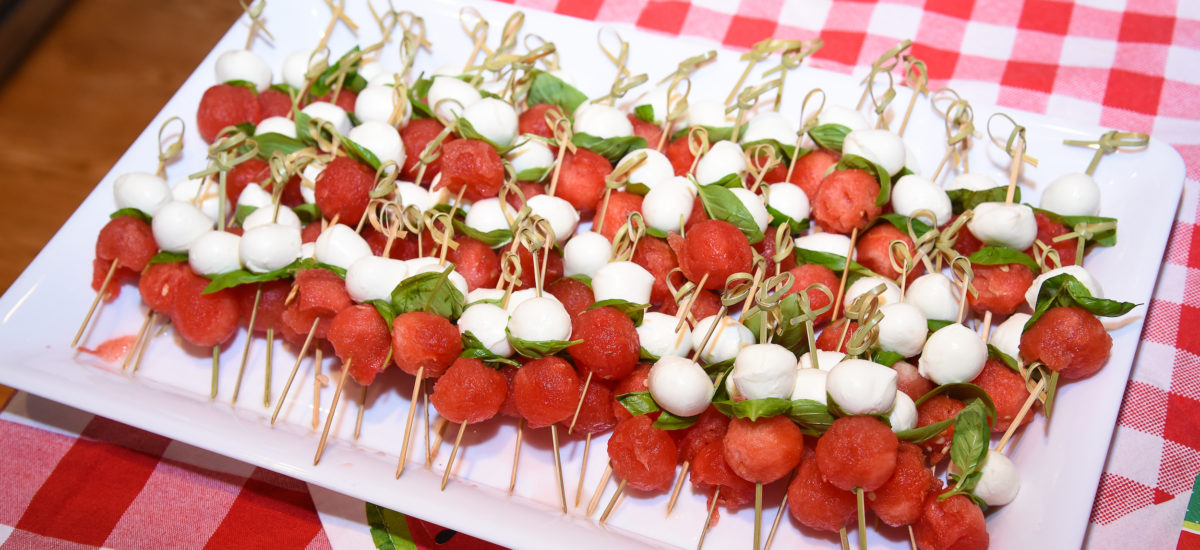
(83, 94)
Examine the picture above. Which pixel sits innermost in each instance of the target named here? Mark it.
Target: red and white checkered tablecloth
(73, 480)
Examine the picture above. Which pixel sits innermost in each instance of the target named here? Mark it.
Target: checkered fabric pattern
(1127, 64)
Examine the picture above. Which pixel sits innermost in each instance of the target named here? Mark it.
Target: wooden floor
(80, 98)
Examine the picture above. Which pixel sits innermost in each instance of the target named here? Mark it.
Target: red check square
(1140, 27)
(1046, 16)
(1133, 91)
(745, 31)
(664, 16)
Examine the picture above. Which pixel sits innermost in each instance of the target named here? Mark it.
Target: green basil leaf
(639, 189)
(547, 88)
(325, 82)
(466, 130)
(721, 204)
(829, 136)
(969, 447)
(132, 213)
(302, 121)
(307, 212)
(646, 356)
(935, 325)
(494, 239)
(715, 133)
(835, 262)
(613, 148)
(964, 199)
(900, 221)
(474, 349)
(270, 142)
(1008, 360)
(638, 403)
(729, 181)
(925, 433)
(309, 263)
(965, 392)
(429, 292)
(416, 93)
(794, 226)
(719, 372)
(810, 414)
(1103, 238)
(786, 151)
(360, 153)
(788, 335)
(246, 128)
(1064, 290)
(645, 113)
(754, 408)
(887, 358)
(635, 311)
(385, 310)
(389, 529)
(164, 257)
(582, 278)
(538, 350)
(855, 162)
(286, 88)
(534, 174)
(1051, 391)
(668, 421)
(999, 255)
(243, 210)
(243, 84)
(241, 276)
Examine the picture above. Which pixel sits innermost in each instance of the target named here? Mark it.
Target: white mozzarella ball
(308, 181)
(519, 297)
(829, 243)
(244, 65)
(972, 181)
(902, 329)
(481, 294)
(934, 295)
(141, 190)
(910, 161)
(770, 125)
(810, 384)
(680, 386)
(253, 196)
(447, 70)
(890, 294)
(657, 335)
(448, 96)
(914, 193)
(728, 338)
(953, 354)
(586, 253)
(295, 68)
(862, 387)
(188, 190)
(836, 114)
(323, 110)
(307, 250)
(540, 319)
(708, 112)
(530, 154)
(656, 99)
(667, 207)
(267, 214)
(487, 215)
(791, 201)
(602, 121)
(1080, 274)
(764, 370)
(825, 360)
(214, 253)
(378, 104)
(412, 194)
(486, 322)
(562, 216)
(1009, 225)
(879, 146)
(1074, 194)
(494, 119)
(754, 205)
(622, 280)
(372, 70)
(420, 263)
(341, 246)
(723, 158)
(381, 139)
(1007, 335)
(374, 278)
(177, 224)
(269, 247)
(276, 125)
(903, 415)
(654, 168)
(1000, 481)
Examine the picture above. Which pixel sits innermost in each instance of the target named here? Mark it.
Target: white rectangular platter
(1060, 464)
